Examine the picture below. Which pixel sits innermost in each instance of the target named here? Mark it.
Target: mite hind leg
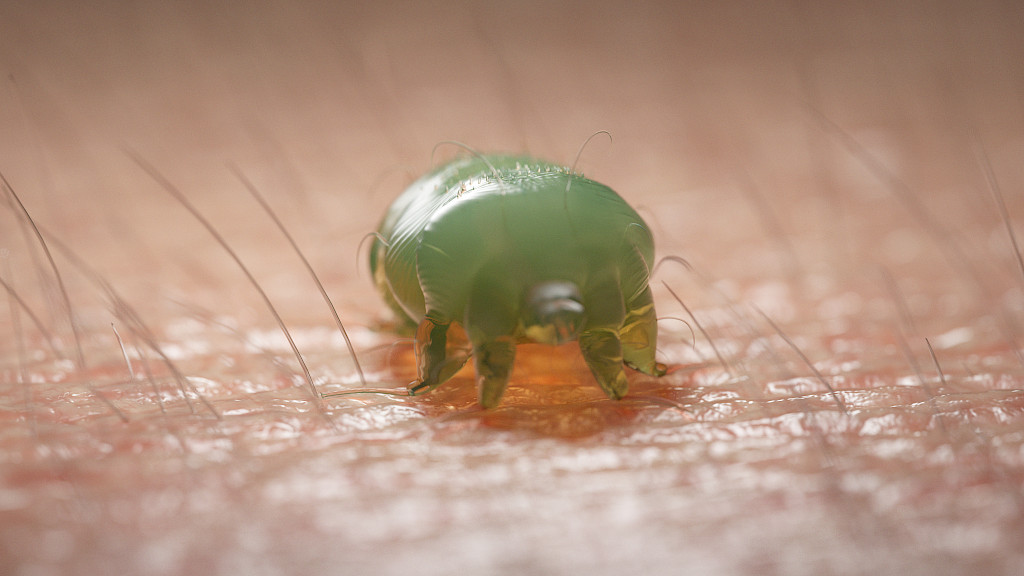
(639, 335)
(438, 361)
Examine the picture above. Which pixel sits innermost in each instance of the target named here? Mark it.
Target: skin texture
(820, 163)
(517, 250)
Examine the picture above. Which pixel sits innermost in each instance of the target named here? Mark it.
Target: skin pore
(835, 189)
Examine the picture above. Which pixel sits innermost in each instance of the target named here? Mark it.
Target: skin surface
(824, 164)
(516, 250)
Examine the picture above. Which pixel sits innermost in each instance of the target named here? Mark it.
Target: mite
(515, 250)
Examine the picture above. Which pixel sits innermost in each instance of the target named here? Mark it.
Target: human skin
(821, 170)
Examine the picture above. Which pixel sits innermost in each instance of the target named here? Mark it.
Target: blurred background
(832, 173)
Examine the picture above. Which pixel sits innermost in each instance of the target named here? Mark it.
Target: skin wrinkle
(876, 137)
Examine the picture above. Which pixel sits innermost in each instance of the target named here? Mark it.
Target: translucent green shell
(514, 250)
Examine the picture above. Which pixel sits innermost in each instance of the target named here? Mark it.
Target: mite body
(517, 250)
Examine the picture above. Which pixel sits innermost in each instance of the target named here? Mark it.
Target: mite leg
(639, 335)
(599, 339)
(494, 360)
(436, 363)
(491, 318)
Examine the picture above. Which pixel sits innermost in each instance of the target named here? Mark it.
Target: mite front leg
(436, 363)
(494, 360)
(599, 339)
(602, 351)
(639, 335)
(491, 320)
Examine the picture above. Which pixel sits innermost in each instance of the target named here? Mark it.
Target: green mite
(517, 250)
